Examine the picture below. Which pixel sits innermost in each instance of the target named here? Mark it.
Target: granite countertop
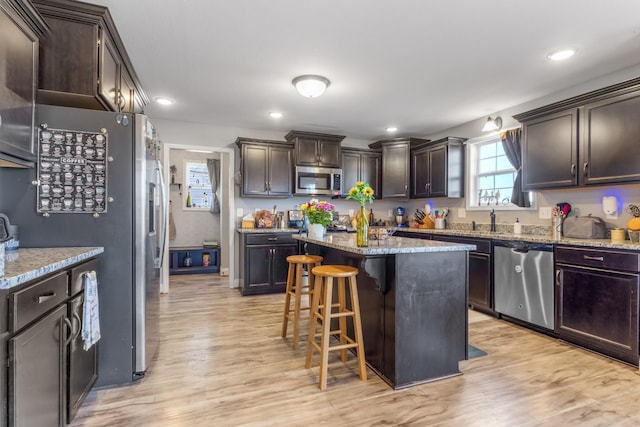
(394, 245)
(267, 230)
(599, 243)
(538, 238)
(27, 264)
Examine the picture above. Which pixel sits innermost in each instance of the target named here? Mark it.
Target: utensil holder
(556, 229)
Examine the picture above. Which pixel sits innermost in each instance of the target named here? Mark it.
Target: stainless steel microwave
(318, 181)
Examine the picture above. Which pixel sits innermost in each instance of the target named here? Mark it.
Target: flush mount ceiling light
(391, 129)
(310, 85)
(163, 100)
(275, 115)
(492, 124)
(560, 55)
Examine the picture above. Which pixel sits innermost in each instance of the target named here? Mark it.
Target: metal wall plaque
(72, 171)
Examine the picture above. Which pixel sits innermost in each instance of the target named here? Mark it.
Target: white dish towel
(90, 312)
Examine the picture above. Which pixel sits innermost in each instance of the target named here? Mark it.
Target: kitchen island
(413, 303)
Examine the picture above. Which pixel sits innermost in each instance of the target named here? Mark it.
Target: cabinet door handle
(76, 316)
(573, 169)
(558, 277)
(593, 258)
(46, 297)
(585, 168)
(70, 326)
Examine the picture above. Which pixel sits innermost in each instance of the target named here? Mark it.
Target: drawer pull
(594, 258)
(272, 239)
(46, 297)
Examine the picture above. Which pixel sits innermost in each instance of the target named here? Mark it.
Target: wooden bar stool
(322, 312)
(295, 289)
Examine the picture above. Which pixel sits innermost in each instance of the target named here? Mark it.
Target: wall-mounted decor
(72, 171)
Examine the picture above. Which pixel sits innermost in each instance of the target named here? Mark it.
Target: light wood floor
(222, 363)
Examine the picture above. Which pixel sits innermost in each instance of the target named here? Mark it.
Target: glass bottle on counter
(189, 197)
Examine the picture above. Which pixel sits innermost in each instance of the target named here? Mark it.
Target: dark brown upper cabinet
(361, 165)
(591, 139)
(316, 149)
(437, 168)
(83, 62)
(20, 31)
(266, 168)
(396, 165)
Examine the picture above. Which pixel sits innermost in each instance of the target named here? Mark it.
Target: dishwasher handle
(519, 246)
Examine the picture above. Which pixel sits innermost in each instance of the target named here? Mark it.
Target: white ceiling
(421, 65)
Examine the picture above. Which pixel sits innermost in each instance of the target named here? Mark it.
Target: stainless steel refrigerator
(127, 218)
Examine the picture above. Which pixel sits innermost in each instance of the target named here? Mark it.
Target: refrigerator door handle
(165, 214)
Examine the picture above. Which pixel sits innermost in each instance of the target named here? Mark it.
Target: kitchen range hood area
(91, 200)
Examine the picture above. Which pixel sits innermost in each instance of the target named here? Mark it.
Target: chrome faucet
(492, 216)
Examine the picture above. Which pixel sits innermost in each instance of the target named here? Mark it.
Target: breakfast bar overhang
(413, 303)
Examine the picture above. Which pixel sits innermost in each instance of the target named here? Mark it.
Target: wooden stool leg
(296, 313)
(313, 319)
(342, 307)
(287, 300)
(357, 326)
(326, 333)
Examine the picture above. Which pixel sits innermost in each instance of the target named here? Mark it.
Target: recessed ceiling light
(275, 115)
(391, 129)
(560, 55)
(163, 100)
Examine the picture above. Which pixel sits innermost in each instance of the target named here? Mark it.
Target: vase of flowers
(320, 216)
(362, 193)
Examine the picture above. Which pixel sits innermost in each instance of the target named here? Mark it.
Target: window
(198, 194)
(491, 175)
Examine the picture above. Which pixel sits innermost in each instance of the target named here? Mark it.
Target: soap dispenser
(517, 227)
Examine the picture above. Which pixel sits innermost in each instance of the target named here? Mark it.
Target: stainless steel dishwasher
(523, 281)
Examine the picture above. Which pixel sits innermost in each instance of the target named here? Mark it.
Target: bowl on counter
(380, 234)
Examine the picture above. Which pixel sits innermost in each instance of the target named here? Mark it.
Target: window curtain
(511, 142)
(213, 166)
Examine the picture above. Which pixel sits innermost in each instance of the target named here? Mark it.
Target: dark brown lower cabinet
(597, 300)
(36, 372)
(263, 258)
(49, 373)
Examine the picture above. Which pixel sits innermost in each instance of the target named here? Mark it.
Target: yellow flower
(361, 193)
(304, 206)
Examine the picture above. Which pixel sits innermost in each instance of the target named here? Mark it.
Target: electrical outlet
(390, 213)
(462, 213)
(224, 272)
(239, 212)
(544, 213)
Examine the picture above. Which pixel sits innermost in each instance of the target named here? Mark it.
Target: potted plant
(320, 216)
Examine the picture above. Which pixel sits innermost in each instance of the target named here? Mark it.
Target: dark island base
(414, 312)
